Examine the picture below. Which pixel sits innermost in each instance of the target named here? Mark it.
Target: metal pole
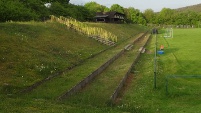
(172, 32)
(155, 62)
(154, 80)
(166, 86)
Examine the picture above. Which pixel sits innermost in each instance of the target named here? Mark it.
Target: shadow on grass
(169, 50)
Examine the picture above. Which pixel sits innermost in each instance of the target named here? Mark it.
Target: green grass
(72, 77)
(32, 51)
(122, 31)
(181, 57)
(98, 92)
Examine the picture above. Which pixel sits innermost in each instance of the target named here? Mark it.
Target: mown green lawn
(182, 57)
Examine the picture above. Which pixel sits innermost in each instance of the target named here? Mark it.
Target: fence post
(166, 85)
(155, 60)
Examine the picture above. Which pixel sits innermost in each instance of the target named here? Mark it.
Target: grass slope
(195, 8)
(32, 51)
(122, 31)
(98, 92)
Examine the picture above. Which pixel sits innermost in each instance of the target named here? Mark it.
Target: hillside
(32, 51)
(195, 8)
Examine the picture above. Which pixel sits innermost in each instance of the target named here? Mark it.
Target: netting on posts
(168, 33)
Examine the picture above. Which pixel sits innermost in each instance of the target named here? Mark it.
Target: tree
(58, 10)
(106, 9)
(79, 12)
(165, 16)
(117, 8)
(132, 14)
(14, 10)
(149, 15)
(193, 18)
(94, 7)
(38, 7)
(141, 19)
(60, 1)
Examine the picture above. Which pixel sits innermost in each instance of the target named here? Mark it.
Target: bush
(26, 10)
(16, 11)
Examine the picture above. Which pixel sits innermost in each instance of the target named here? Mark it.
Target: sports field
(179, 65)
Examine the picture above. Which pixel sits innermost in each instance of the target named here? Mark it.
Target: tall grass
(84, 28)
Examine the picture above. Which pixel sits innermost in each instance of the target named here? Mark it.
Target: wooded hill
(20, 10)
(195, 8)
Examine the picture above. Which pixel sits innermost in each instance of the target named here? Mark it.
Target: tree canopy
(94, 7)
(149, 15)
(26, 10)
(117, 8)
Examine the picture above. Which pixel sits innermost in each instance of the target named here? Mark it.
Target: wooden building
(110, 17)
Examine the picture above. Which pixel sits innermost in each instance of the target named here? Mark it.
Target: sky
(142, 5)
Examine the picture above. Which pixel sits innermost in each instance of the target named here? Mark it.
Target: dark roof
(107, 14)
(103, 16)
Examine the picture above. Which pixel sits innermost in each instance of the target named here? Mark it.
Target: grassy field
(32, 51)
(182, 57)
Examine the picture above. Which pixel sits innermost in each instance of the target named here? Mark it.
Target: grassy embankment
(32, 51)
(99, 91)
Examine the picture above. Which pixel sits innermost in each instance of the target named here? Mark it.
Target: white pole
(172, 32)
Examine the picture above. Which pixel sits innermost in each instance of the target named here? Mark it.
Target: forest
(40, 10)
